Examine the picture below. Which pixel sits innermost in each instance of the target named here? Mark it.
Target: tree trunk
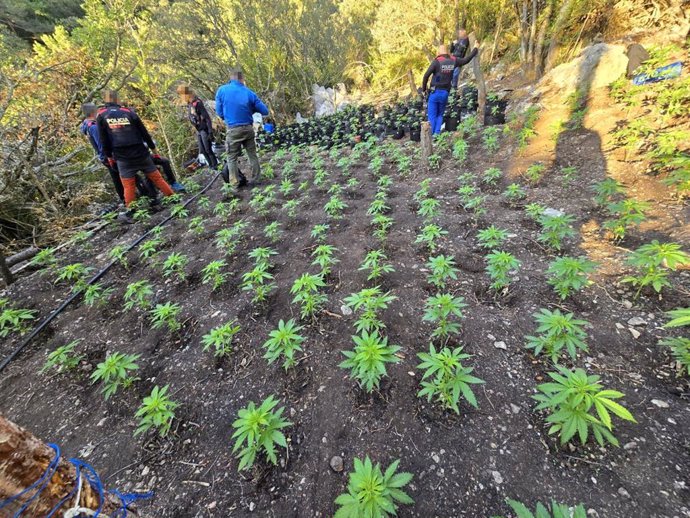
(479, 77)
(523, 32)
(413, 87)
(499, 26)
(539, 49)
(24, 255)
(427, 146)
(24, 459)
(456, 14)
(5, 271)
(532, 33)
(558, 26)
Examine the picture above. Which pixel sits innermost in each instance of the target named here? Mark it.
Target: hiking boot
(125, 217)
(178, 187)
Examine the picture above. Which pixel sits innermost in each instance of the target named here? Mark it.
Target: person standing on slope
(236, 104)
(201, 120)
(459, 50)
(442, 69)
(125, 139)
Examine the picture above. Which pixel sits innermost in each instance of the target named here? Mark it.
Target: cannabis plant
(157, 411)
(442, 269)
(64, 358)
(45, 258)
(383, 224)
(196, 225)
(284, 341)
(324, 258)
(555, 229)
(460, 150)
(570, 398)
(175, 264)
(569, 274)
(97, 295)
(149, 250)
(179, 211)
(626, 214)
(607, 191)
(213, 273)
(492, 237)
(441, 310)
(14, 320)
(114, 372)
(445, 379)
(220, 338)
(369, 303)
(429, 236)
(138, 294)
(75, 273)
(258, 430)
(556, 511)
(653, 262)
(490, 138)
(372, 493)
(499, 264)
(306, 293)
(165, 315)
(318, 233)
(428, 209)
(272, 231)
(375, 263)
(535, 211)
(558, 332)
(514, 193)
(535, 172)
(367, 362)
(491, 176)
(335, 207)
(260, 281)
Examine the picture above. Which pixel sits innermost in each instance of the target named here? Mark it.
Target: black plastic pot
(416, 134)
(451, 124)
(399, 133)
(495, 113)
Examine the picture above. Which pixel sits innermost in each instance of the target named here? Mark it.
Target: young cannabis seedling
(514, 193)
(434, 162)
(558, 332)
(114, 372)
(607, 191)
(324, 258)
(378, 205)
(490, 138)
(367, 362)
(372, 493)
(369, 303)
(179, 211)
(627, 214)
(14, 320)
(382, 224)
(149, 250)
(557, 510)
(535, 211)
(291, 207)
(260, 281)
(306, 292)
(569, 274)
(428, 209)
(492, 176)
(679, 346)
(492, 237)
(175, 264)
(286, 187)
(429, 236)
(375, 263)
(568, 173)
(220, 338)
(535, 172)
(570, 397)
(284, 341)
(203, 202)
(272, 231)
(196, 225)
(499, 264)
(157, 411)
(423, 191)
(45, 258)
(653, 262)
(335, 207)
(258, 430)
(64, 358)
(76, 273)
(440, 310)
(213, 273)
(445, 379)
(165, 315)
(442, 270)
(318, 233)
(97, 295)
(138, 294)
(460, 150)
(555, 229)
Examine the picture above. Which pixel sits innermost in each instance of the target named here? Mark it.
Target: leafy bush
(428, 209)
(369, 302)
(442, 270)
(558, 332)
(440, 310)
(372, 493)
(220, 338)
(569, 274)
(175, 264)
(557, 510)
(626, 213)
(138, 294)
(514, 193)
(157, 411)
(324, 258)
(284, 341)
(570, 398)
(306, 293)
(375, 264)
(63, 358)
(14, 320)
(555, 229)
(165, 315)
(258, 430)
(491, 237)
(653, 262)
(212, 273)
(607, 191)
(114, 372)
(367, 362)
(97, 295)
(535, 172)
(460, 149)
(492, 175)
(499, 264)
(429, 236)
(446, 377)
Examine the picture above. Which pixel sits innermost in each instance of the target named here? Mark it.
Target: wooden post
(479, 77)
(24, 459)
(5, 271)
(427, 145)
(413, 87)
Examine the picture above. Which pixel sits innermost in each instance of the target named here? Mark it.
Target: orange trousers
(130, 186)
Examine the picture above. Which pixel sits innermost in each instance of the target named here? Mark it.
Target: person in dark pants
(125, 139)
(236, 104)
(90, 129)
(441, 69)
(201, 120)
(459, 50)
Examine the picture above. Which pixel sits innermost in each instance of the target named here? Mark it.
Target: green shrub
(63, 358)
(441, 309)
(220, 338)
(284, 341)
(367, 362)
(114, 372)
(491, 237)
(499, 264)
(569, 274)
(653, 262)
(157, 411)
(558, 332)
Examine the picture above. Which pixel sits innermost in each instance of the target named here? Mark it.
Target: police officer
(125, 139)
(201, 120)
(442, 69)
(459, 49)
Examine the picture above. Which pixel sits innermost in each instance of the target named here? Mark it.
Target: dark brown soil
(464, 465)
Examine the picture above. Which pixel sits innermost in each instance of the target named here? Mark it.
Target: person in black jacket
(125, 139)
(441, 69)
(201, 120)
(459, 49)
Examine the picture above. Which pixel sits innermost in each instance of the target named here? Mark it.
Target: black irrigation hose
(94, 279)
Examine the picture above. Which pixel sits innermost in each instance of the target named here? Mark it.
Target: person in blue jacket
(235, 104)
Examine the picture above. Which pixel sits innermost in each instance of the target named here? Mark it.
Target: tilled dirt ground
(464, 465)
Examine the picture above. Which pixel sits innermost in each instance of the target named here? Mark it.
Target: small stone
(515, 408)
(324, 440)
(345, 310)
(553, 213)
(336, 463)
(637, 321)
(634, 332)
(619, 325)
(435, 458)
(660, 403)
(491, 337)
(630, 446)
(500, 345)
(212, 505)
(623, 492)
(252, 506)
(497, 477)
(145, 471)
(411, 373)
(627, 304)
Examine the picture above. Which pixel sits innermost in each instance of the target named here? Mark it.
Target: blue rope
(83, 469)
(39, 485)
